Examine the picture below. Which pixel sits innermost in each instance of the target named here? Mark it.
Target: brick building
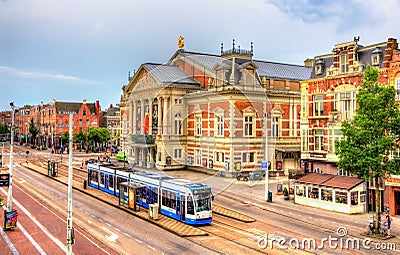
(210, 112)
(52, 120)
(329, 97)
(393, 183)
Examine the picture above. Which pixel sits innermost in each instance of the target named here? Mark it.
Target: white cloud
(10, 71)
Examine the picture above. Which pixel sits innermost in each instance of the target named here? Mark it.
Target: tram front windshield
(203, 201)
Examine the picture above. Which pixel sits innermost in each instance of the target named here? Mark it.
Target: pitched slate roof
(330, 180)
(265, 68)
(209, 61)
(283, 71)
(363, 54)
(68, 107)
(168, 74)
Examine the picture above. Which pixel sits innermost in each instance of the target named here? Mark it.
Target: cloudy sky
(71, 50)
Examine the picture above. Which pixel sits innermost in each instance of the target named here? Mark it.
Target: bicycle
(383, 230)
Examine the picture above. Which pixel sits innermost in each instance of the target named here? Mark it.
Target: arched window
(178, 124)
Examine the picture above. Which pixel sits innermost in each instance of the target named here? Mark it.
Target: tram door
(106, 181)
(183, 213)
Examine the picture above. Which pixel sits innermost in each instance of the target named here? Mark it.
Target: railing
(238, 51)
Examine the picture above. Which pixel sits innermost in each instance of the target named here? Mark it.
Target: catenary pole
(9, 194)
(266, 159)
(70, 237)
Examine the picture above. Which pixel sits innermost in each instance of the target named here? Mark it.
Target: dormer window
(344, 64)
(319, 64)
(376, 57)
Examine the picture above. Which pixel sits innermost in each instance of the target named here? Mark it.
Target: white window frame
(178, 153)
(197, 157)
(249, 157)
(333, 136)
(318, 140)
(248, 125)
(198, 126)
(397, 82)
(318, 105)
(275, 127)
(344, 62)
(219, 121)
(178, 124)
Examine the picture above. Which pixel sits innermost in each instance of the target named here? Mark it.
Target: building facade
(211, 112)
(52, 120)
(329, 97)
(112, 121)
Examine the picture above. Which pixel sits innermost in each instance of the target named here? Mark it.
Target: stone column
(134, 108)
(165, 115)
(159, 101)
(151, 117)
(131, 118)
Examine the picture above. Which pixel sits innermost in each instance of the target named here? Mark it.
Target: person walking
(388, 220)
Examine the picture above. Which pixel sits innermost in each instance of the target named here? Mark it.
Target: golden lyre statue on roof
(181, 43)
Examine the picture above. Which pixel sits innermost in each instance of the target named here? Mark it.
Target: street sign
(4, 179)
(264, 165)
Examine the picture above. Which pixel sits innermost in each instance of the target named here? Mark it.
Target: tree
(4, 129)
(65, 138)
(98, 135)
(371, 142)
(33, 130)
(81, 138)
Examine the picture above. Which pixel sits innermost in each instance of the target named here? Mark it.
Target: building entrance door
(397, 202)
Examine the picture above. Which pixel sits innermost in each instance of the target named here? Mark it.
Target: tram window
(155, 196)
(190, 206)
(143, 192)
(101, 178)
(164, 198)
(169, 199)
(95, 177)
(111, 181)
(119, 180)
(173, 201)
(203, 202)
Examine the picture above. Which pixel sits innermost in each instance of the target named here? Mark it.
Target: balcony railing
(143, 139)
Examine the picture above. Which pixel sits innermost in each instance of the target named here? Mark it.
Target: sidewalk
(254, 194)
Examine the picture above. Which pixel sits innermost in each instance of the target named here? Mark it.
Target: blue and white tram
(183, 200)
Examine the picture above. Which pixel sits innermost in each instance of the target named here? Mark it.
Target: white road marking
(137, 240)
(30, 238)
(151, 247)
(113, 237)
(9, 243)
(43, 228)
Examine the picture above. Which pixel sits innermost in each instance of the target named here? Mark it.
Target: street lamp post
(266, 159)
(9, 195)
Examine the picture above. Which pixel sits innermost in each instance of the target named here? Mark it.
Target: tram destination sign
(201, 191)
(4, 179)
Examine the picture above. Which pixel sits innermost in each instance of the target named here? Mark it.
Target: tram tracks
(226, 232)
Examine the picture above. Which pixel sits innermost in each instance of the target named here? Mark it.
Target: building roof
(168, 74)
(112, 111)
(363, 54)
(283, 71)
(265, 68)
(330, 180)
(67, 107)
(314, 178)
(343, 182)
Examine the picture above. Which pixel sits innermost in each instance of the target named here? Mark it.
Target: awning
(330, 180)
(288, 149)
